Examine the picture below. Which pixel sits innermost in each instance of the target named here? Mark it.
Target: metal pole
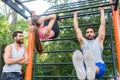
(116, 20)
(28, 75)
(112, 46)
(29, 66)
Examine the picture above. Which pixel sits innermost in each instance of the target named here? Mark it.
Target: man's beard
(20, 41)
(88, 38)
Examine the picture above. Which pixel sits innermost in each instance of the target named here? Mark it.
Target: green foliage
(7, 30)
(56, 46)
(4, 31)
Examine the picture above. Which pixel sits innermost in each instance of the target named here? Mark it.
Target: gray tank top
(14, 67)
(95, 49)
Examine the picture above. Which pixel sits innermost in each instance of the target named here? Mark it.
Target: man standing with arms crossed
(14, 56)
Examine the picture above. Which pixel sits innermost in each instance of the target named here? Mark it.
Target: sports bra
(42, 34)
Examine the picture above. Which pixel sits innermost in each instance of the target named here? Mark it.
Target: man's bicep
(80, 38)
(79, 34)
(7, 53)
(101, 36)
(101, 39)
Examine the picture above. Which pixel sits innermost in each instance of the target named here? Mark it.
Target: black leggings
(55, 27)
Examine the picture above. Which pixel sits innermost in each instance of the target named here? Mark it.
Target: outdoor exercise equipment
(84, 8)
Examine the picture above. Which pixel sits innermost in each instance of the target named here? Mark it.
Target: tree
(6, 32)
(10, 13)
(3, 37)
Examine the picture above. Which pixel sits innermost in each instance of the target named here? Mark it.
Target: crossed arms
(17, 60)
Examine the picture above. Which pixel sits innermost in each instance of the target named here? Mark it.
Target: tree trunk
(1, 60)
(14, 17)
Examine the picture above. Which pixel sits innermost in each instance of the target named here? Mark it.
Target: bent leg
(79, 65)
(90, 65)
(55, 27)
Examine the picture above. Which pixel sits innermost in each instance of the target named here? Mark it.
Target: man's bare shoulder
(8, 47)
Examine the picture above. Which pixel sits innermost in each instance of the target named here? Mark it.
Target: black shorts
(55, 27)
(11, 76)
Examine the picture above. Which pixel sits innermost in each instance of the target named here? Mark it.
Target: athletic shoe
(90, 65)
(79, 65)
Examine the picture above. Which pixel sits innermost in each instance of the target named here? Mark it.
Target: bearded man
(15, 55)
(89, 62)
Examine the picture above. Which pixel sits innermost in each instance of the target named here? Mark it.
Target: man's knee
(77, 53)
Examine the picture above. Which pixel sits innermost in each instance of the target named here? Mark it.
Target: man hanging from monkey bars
(89, 62)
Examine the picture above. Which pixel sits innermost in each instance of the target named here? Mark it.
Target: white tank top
(14, 53)
(95, 48)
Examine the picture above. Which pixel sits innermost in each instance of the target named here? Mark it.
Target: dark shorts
(11, 76)
(55, 27)
(102, 69)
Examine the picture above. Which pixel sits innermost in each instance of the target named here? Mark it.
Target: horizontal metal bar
(60, 39)
(69, 7)
(79, 2)
(78, 9)
(75, 6)
(66, 77)
(27, 1)
(55, 76)
(84, 14)
(112, 76)
(23, 6)
(56, 51)
(14, 6)
(62, 63)
(63, 5)
(82, 25)
(59, 51)
(69, 38)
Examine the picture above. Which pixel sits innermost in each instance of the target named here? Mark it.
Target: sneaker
(90, 65)
(79, 65)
